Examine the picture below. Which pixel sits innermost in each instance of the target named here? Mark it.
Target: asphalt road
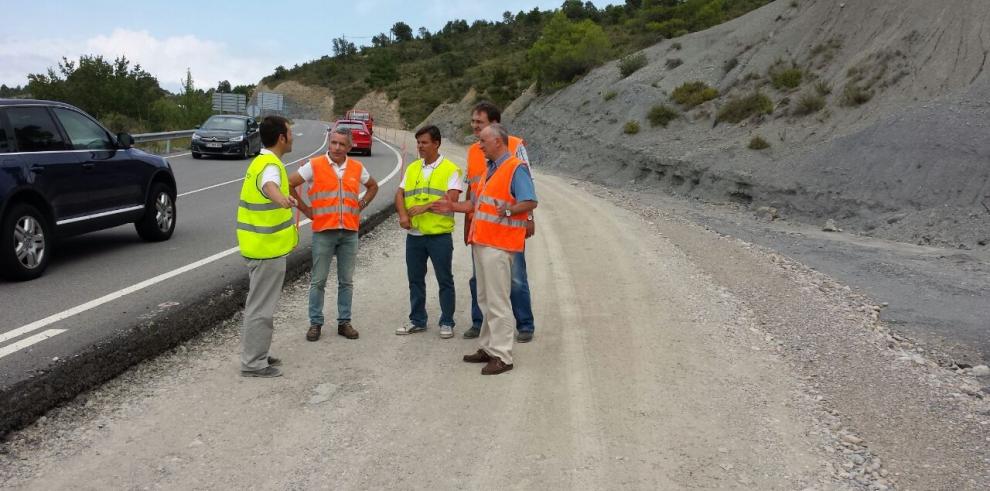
(101, 284)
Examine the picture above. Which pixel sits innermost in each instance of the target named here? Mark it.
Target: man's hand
(501, 210)
(418, 210)
(405, 222)
(530, 228)
(443, 205)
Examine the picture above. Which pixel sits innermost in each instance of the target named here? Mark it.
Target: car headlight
(196, 137)
(237, 138)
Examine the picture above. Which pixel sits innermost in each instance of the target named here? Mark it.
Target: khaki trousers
(493, 268)
(266, 277)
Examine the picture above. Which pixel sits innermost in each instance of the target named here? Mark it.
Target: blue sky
(217, 40)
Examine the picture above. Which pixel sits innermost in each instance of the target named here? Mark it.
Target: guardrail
(166, 136)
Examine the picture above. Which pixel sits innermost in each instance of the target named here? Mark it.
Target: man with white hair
(335, 207)
(497, 232)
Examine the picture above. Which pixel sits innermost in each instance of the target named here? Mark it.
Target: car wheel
(197, 155)
(368, 152)
(158, 220)
(26, 241)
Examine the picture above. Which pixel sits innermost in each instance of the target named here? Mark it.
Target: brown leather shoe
(495, 366)
(313, 334)
(345, 329)
(480, 357)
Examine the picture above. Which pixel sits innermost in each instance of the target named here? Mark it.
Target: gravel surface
(667, 356)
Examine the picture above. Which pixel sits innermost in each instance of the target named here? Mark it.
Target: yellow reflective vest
(419, 191)
(265, 230)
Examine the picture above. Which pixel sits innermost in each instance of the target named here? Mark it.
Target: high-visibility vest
(265, 230)
(418, 192)
(478, 167)
(335, 200)
(488, 228)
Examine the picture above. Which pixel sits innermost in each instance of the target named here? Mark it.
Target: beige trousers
(493, 268)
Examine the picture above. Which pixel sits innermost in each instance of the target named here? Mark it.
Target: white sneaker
(409, 328)
(446, 332)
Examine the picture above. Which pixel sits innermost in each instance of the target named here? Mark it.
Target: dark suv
(227, 134)
(62, 174)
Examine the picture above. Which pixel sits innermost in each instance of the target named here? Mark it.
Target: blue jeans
(439, 249)
(522, 304)
(326, 245)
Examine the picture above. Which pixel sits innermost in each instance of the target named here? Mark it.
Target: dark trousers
(439, 249)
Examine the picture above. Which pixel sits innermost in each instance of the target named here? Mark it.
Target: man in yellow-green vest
(427, 180)
(266, 233)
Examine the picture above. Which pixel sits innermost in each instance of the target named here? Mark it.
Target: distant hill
(423, 69)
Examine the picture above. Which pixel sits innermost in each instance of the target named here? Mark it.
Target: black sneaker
(472, 333)
(274, 362)
(524, 337)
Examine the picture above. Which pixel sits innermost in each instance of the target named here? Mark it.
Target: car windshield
(228, 124)
(352, 126)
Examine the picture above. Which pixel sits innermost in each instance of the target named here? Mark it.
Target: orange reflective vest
(335, 201)
(477, 164)
(488, 228)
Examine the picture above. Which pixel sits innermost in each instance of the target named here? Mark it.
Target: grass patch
(855, 95)
(739, 109)
(631, 127)
(609, 95)
(691, 94)
(676, 46)
(809, 103)
(823, 88)
(631, 63)
(788, 78)
(673, 63)
(661, 114)
(758, 143)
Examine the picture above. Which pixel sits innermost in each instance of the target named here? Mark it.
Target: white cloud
(165, 58)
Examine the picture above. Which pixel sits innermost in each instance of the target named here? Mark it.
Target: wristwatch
(508, 212)
(529, 218)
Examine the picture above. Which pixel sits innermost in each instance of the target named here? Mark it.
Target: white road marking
(24, 343)
(177, 155)
(318, 150)
(34, 326)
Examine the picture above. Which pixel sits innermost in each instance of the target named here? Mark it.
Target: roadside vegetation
(662, 114)
(122, 96)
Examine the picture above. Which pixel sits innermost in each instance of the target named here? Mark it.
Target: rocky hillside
(875, 114)
(303, 101)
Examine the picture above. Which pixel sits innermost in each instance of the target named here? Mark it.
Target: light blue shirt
(522, 187)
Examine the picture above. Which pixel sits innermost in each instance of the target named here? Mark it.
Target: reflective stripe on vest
(265, 230)
(418, 193)
(488, 228)
(335, 200)
(478, 166)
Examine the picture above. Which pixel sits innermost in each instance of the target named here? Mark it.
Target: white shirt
(269, 174)
(455, 183)
(306, 171)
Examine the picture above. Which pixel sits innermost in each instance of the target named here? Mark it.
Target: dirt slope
(909, 164)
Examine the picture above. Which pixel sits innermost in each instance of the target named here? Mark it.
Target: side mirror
(125, 140)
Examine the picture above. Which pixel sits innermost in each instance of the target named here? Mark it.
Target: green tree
(382, 69)
(342, 48)
(402, 32)
(567, 49)
(223, 87)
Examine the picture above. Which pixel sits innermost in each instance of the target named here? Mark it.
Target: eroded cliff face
(893, 142)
